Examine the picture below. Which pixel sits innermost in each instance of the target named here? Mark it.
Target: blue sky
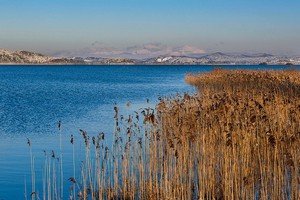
(98, 27)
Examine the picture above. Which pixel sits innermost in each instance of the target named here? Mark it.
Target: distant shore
(8, 57)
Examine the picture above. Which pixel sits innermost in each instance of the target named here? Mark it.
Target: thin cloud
(99, 49)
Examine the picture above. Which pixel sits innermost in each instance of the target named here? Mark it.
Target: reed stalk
(33, 191)
(61, 161)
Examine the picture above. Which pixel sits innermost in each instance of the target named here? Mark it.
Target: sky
(141, 28)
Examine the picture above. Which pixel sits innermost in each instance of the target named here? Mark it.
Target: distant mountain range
(219, 58)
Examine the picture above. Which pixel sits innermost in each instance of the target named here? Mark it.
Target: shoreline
(124, 64)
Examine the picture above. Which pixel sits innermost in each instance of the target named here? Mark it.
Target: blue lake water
(34, 98)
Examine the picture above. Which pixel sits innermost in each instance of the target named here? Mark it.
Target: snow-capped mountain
(226, 59)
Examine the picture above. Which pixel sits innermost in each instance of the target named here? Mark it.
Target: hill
(27, 57)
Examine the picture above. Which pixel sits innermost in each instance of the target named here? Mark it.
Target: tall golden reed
(237, 138)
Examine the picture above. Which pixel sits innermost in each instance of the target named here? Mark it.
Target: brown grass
(240, 134)
(238, 138)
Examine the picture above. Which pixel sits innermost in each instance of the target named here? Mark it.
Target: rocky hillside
(26, 57)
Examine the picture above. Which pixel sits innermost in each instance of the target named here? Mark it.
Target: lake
(34, 98)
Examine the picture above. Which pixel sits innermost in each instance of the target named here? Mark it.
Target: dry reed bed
(238, 138)
(242, 133)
